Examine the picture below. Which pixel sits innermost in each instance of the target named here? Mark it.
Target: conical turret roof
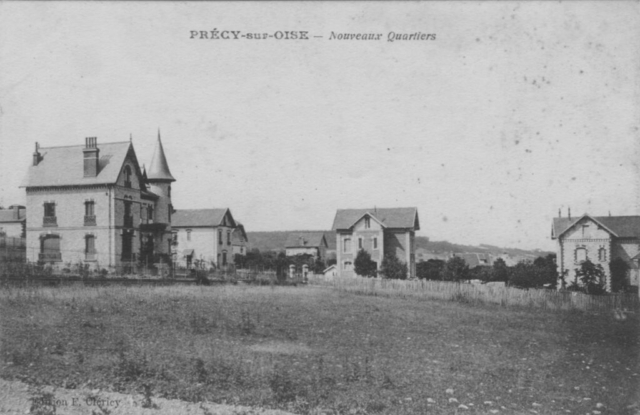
(159, 168)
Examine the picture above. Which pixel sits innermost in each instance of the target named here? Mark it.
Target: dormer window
(127, 176)
(367, 222)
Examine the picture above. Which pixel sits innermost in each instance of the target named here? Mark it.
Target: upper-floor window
(89, 208)
(169, 192)
(346, 245)
(188, 234)
(581, 255)
(169, 212)
(602, 254)
(359, 243)
(367, 222)
(150, 212)
(49, 209)
(228, 237)
(127, 176)
(220, 236)
(375, 243)
(89, 213)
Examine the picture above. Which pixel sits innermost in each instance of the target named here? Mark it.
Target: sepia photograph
(319, 207)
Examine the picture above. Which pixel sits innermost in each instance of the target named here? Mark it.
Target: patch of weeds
(147, 394)
(247, 326)
(132, 368)
(42, 403)
(200, 325)
(199, 370)
(282, 386)
(387, 383)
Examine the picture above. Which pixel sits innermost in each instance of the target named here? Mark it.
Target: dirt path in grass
(17, 398)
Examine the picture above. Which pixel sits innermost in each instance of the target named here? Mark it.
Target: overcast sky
(515, 110)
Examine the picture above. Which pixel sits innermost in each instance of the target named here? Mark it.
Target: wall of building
(592, 238)
(12, 229)
(202, 242)
(70, 212)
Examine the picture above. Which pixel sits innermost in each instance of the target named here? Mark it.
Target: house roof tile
(198, 217)
(406, 218)
(64, 166)
(622, 226)
(159, 168)
(306, 239)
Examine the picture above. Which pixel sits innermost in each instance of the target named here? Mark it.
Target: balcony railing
(90, 256)
(50, 256)
(90, 220)
(128, 221)
(50, 221)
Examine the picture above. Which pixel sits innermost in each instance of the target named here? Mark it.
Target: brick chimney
(36, 155)
(91, 157)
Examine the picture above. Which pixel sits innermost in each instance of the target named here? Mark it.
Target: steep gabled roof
(185, 218)
(64, 166)
(239, 236)
(306, 240)
(159, 168)
(618, 226)
(405, 218)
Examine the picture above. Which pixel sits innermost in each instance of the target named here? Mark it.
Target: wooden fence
(482, 293)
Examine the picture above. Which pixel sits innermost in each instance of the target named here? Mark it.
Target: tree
(364, 266)
(546, 270)
(456, 269)
(618, 269)
(500, 270)
(592, 277)
(393, 268)
(430, 270)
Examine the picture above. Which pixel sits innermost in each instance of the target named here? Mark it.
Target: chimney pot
(36, 155)
(91, 157)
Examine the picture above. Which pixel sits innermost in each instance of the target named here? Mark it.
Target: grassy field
(309, 349)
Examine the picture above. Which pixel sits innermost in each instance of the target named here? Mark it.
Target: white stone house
(93, 205)
(599, 239)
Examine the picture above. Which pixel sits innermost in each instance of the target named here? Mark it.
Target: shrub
(393, 268)
(455, 269)
(364, 266)
(430, 270)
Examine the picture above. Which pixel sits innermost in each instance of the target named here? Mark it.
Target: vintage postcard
(320, 207)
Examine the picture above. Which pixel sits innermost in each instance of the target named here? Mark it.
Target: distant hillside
(275, 241)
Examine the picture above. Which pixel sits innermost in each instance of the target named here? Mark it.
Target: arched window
(581, 255)
(602, 254)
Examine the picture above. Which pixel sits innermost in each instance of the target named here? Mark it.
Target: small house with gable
(204, 235)
(599, 239)
(379, 231)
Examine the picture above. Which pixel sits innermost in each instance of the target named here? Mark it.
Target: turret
(159, 178)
